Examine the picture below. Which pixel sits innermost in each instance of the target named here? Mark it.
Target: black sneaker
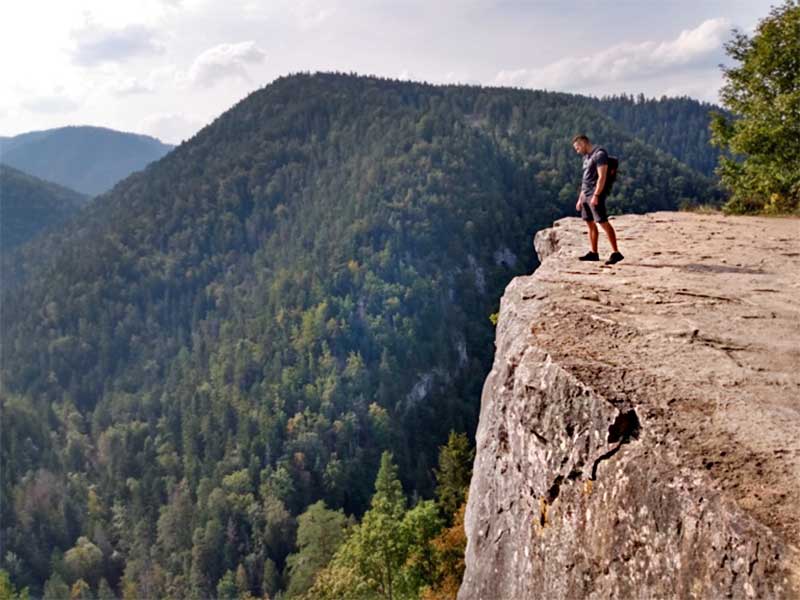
(614, 258)
(590, 256)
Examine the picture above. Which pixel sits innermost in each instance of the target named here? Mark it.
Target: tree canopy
(763, 136)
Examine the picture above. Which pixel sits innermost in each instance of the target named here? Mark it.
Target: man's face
(580, 146)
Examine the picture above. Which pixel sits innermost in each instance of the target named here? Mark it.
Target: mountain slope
(303, 284)
(28, 205)
(87, 159)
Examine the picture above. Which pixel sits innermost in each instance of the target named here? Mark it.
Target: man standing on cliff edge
(592, 197)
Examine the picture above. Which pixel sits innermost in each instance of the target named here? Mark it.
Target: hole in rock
(624, 428)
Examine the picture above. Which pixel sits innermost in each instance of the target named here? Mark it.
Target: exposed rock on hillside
(639, 433)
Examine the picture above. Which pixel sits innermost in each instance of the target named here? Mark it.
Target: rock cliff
(639, 432)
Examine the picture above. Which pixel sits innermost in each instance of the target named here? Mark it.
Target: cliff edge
(639, 432)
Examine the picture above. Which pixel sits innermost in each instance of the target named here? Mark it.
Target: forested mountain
(28, 205)
(242, 328)
(87, 159)
(678, 126)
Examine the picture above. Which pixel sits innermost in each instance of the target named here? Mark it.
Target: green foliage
(763, 92)
(454, 473)
(270, 578)
(7, 591)
(320, 531)
(226, 588)
(29, 205)
(388, 555)
(84, 560)
(104, 591)
(56, 588)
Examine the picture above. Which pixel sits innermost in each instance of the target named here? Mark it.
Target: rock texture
(639, 433)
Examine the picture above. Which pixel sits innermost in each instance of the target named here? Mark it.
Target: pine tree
(226, 587)
(454, 472)
(55, 588)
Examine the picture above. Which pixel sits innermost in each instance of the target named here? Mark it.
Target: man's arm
(602, 171)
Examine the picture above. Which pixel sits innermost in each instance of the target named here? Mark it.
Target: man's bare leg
(612, 235)
(593, 235)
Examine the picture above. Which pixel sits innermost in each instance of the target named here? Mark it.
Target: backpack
(611, 173)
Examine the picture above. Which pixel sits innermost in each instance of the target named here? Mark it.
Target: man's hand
(578, 204)
(595, 200)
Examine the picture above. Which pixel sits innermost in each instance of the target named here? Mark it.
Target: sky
(167, 68)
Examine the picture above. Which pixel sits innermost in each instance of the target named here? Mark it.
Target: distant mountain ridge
(28, 205)
(87, 159)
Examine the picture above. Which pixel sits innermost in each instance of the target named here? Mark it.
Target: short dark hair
(580, 138)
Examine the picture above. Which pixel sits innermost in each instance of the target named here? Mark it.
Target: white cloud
(130, 86)
(304, 15)
(625, 62)
(223, 61)
(309, 15)
(95, 45)
(157, 79)
(51, 103)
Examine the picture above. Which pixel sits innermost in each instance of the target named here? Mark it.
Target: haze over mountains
(241, 328)
(89, 160)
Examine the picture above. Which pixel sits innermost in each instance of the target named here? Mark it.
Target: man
(592, 199)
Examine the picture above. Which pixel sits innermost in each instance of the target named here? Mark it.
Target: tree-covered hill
(678, 126)
(28, 205)
(242, 328)
(87, 159)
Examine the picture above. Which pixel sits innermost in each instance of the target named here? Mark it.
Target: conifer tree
(454, 472)
(388, 554)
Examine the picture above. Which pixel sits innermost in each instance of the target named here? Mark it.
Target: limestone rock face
(639, 433)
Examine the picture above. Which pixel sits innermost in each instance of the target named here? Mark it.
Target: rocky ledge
(639, 432)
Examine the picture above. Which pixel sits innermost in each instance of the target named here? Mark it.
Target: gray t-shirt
(598, 156)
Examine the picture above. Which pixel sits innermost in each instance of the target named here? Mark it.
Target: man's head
(581, 144)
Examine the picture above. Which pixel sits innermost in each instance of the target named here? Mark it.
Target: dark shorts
(594, 213)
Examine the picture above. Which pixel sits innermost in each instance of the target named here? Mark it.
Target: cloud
(693, 48)
(304, 15)
(95, 45)
(130, 86)
(158, 79)
(57, 102)
(171, 128)
(310, 15)
(224, 61)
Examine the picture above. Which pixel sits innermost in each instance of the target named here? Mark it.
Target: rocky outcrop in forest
(639, 431)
